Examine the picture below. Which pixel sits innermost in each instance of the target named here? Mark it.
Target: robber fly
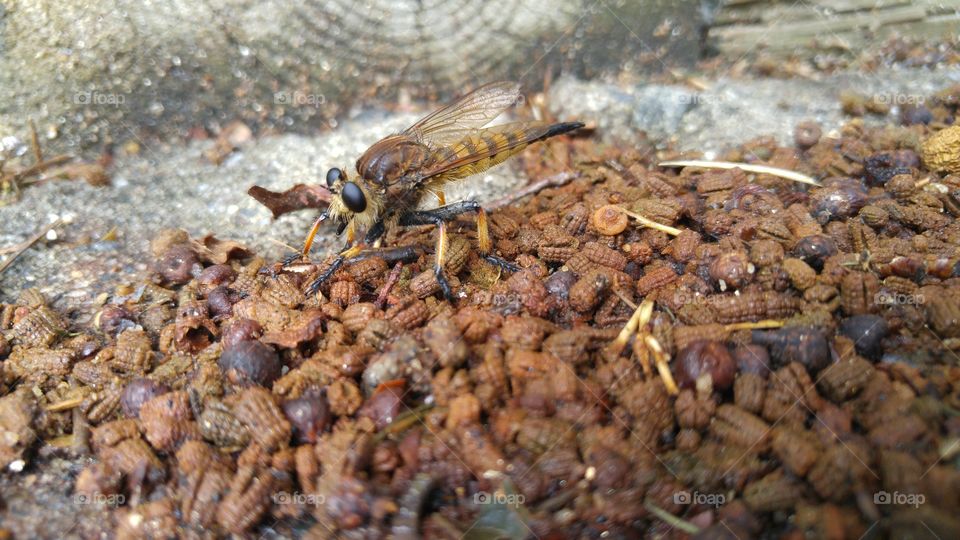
(398, 171)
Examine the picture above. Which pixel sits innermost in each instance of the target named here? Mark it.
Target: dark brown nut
(344, 292)
(383, 407)
(796, 448)
(220, 426)
(867, 332)
(133, 353)
(749, 391)
(368, 270)
(858, 293)
(609, 220)
(257, 409)
(166, 421)
(731, 270)
(139, 391)
(344, 397)
(41, 327)
(216, 276)
(776, 491)
(442, 336)
(806, 134)
(409, 313)
(803, 344)
(309, 415)
(250, 362)
(802, 276)
(835, 201)
(736, 426)
(693, 412)
(179, 265)
(752, 358)
(113, 319)
(705, 358)
(587, 293)
(814, 250)
(220, 302)
(241, 330)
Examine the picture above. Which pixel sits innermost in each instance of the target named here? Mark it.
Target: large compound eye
(333, 176)
(353, 197)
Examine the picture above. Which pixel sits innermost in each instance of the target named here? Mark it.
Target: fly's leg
(349, 252)
(439, 217)
(486, 243)
(308, 243)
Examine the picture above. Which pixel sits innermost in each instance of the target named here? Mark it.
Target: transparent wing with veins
(465, 116)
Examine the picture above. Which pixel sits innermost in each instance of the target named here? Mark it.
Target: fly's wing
(457, 120)
(487, 147)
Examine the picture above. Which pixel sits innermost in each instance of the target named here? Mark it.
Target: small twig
(41, 166)
(759, 325)
(671, 519)
(556, 180)
(759, 169)
(23, 246)
(649, 223)
(392, 280)
(35, 143)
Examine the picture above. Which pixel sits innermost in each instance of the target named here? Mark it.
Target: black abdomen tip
(561, 128)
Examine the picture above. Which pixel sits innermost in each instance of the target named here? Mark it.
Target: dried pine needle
(759, 169)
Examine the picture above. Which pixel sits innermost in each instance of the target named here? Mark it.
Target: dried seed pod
(344, 397)
(247, 499)
(284, 291)
(858, 291)
(556, 245)
(194, 329)
(736, 426)
(845, 379)
(604, 256)
(796, 448)
(790, 394)
(754, 306)
(943, 314)
(166, 421)
(705, 358)
(139, 391)
(587, 293)
(33, 364)
(215, 276)
(802, 276)
(749, 391)
(693, 412)
(684, 336)
(344, 292)
(268, 315)
(250, 362)
(257, 410)
(940, 150)
(369, 270)
(776, 491)
(609, 220)
(376, 334)
(655, 278)
(220, 426)
(574, 220)
(409, 313)
(40, 328)
(133, 353)
(357, 316)
(442, 336)
(569, 346)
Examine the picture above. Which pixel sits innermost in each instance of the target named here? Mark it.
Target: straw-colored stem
(759, 169)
